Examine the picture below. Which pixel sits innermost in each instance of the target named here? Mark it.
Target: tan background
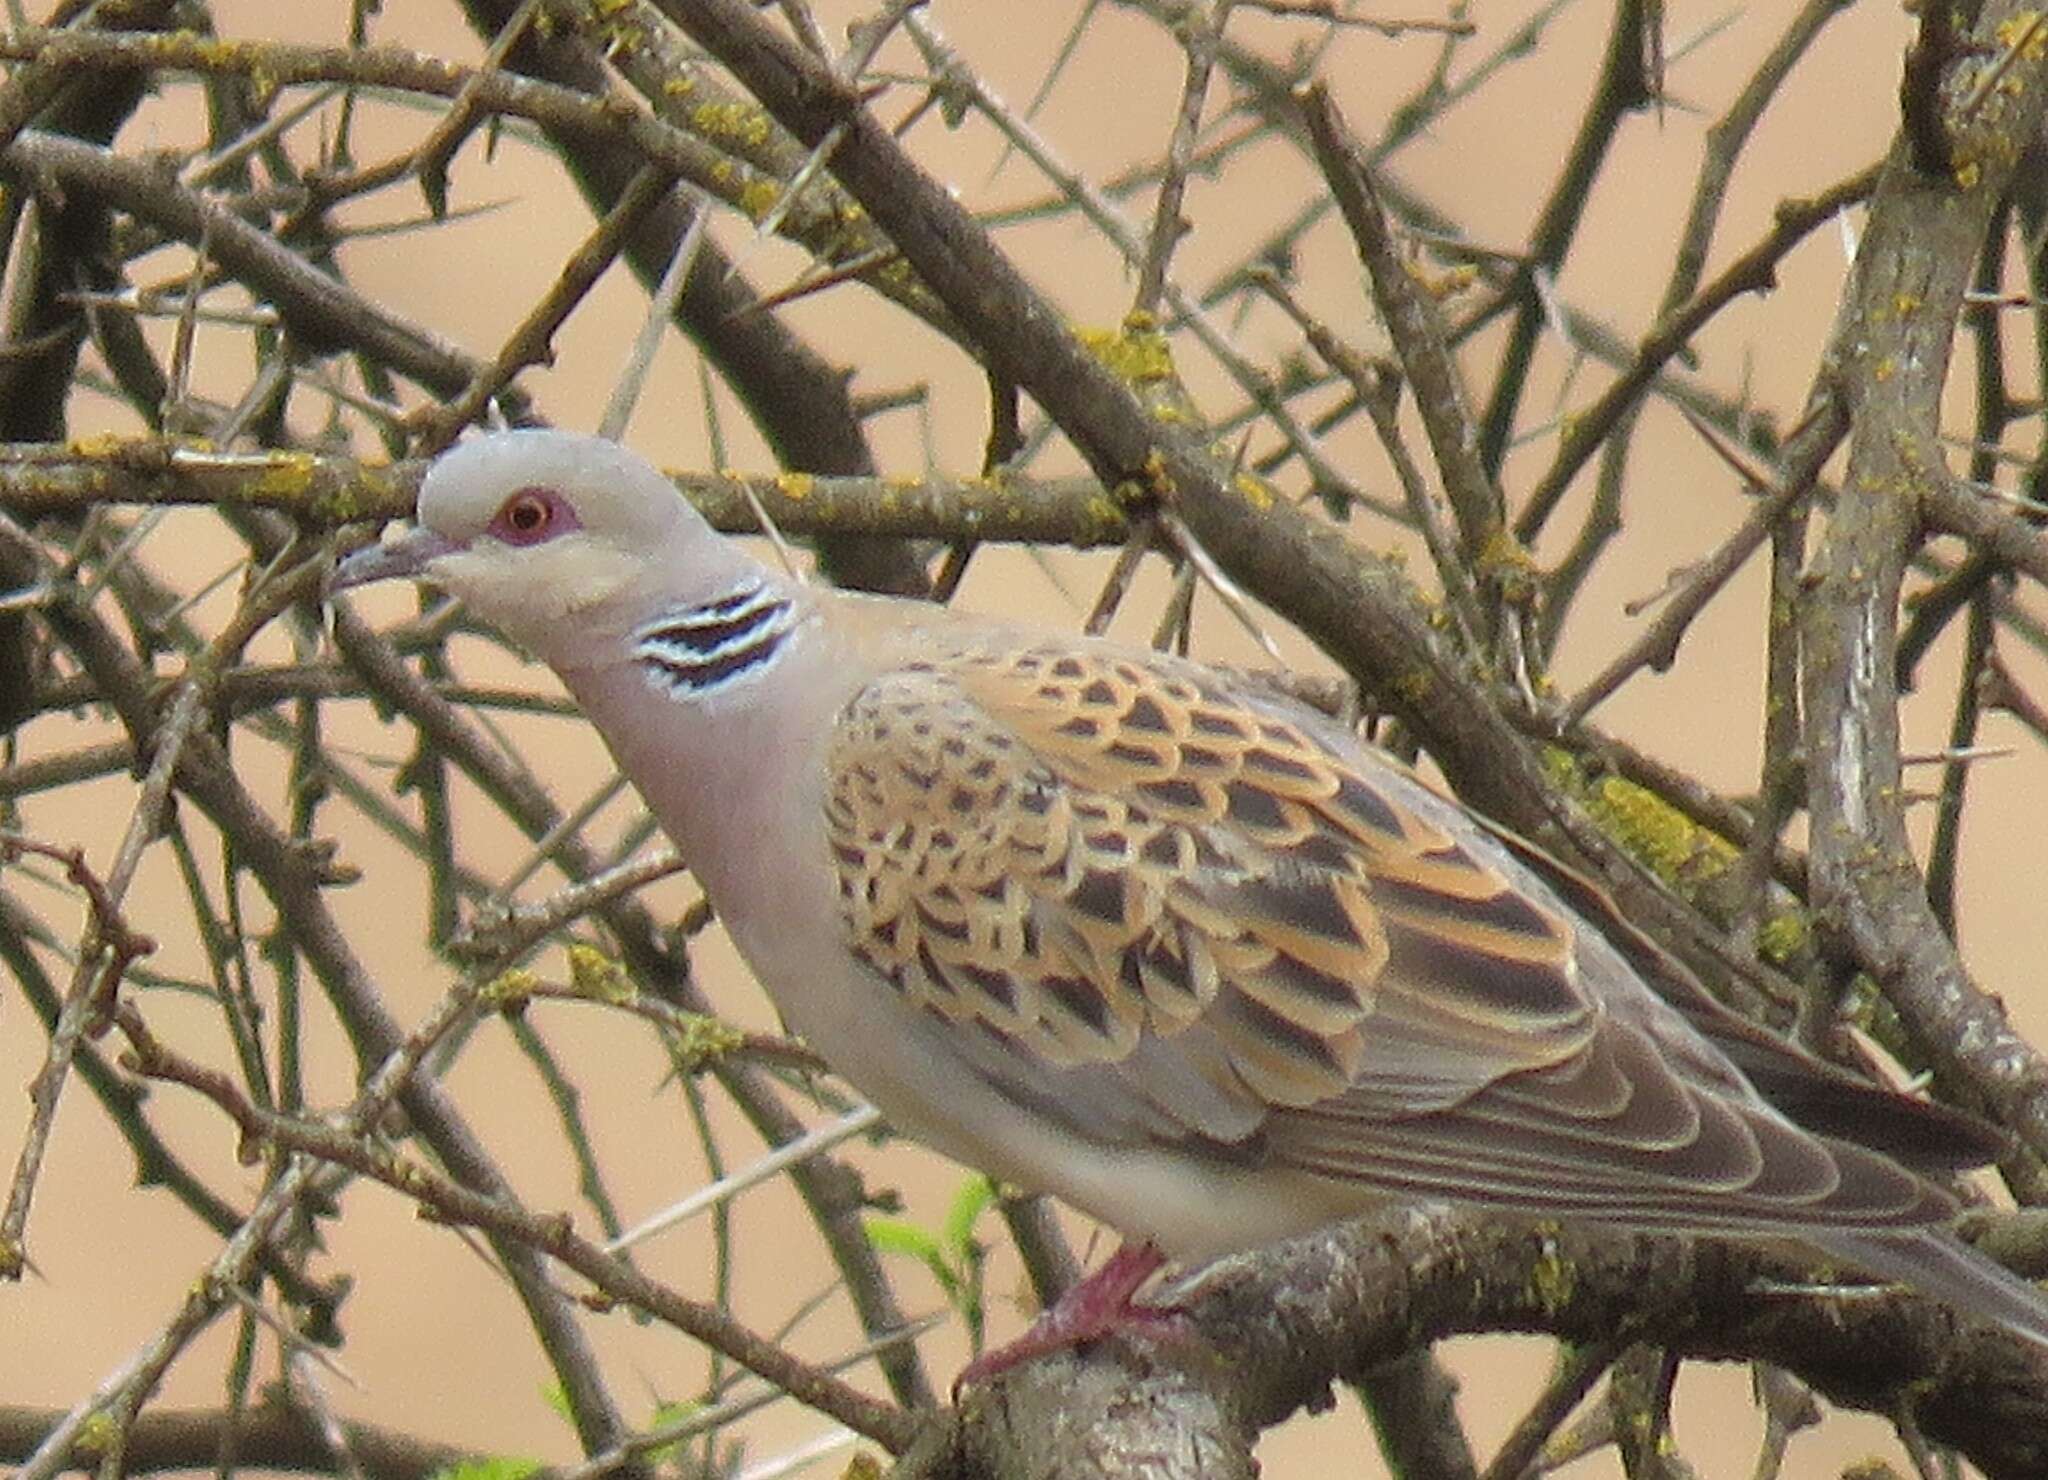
(434, 1343)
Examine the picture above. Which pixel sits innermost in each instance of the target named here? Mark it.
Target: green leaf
(975, 1197)
(557, 1398)
(491, 1467)
(953, 1255)
(896, 1236)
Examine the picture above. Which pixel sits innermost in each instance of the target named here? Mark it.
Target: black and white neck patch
(699, 650)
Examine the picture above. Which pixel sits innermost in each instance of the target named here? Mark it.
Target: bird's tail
(1939, 1264)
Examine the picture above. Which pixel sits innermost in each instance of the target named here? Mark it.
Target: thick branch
(1281, 1326)
(1889, 361)
(41, 479)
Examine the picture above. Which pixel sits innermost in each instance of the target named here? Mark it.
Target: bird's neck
(695, 703)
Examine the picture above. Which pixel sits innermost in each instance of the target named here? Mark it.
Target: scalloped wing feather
(1071, 849)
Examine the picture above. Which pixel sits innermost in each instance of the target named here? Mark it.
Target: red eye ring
(530, 515)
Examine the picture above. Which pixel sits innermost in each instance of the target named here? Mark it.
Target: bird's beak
(411, 556)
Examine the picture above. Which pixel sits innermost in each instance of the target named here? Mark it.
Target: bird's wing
(1114, 875)
(1820, 1096)
(1073, 850)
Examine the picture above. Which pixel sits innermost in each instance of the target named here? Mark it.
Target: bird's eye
(530, 516)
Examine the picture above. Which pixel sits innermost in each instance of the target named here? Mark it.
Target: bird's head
(532, 528)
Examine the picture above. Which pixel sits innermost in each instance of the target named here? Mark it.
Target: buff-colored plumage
(1148, 936)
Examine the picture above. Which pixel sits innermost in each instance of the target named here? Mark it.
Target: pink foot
(1098, 1306)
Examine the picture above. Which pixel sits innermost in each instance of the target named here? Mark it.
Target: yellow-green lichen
(1135, 352)
(2023, 31)
(96, 1436)
(286, 477)
(213, 52)
(758, 197)
(1256, 490)
(701, 1040)
(1158, 480)
(1861, 1004)
(508, 990)
(597, 976)
(1674, 847)
(1507, 562)
(741, 124)
(375, 494)
(622, 22)
(796, 487)
(1784, 937)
